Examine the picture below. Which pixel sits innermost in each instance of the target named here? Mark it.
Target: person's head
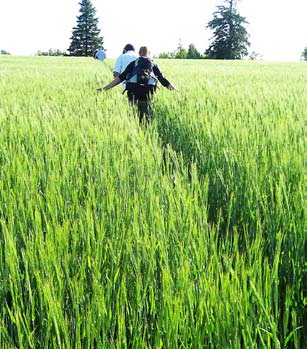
(143, 51)
(128, 47)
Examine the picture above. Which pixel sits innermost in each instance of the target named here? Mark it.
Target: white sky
(277, 28)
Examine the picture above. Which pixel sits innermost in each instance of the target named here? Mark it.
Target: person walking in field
(141, 77)
(100, 54)
(124, 59)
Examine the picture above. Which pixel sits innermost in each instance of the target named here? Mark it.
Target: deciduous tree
(181, 51)
(192, 52)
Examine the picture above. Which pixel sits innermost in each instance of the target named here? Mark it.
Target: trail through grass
(186, 234)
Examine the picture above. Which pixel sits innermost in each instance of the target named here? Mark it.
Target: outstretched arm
(171, 87)
(118, 79)
(162, 79)
(113, 83)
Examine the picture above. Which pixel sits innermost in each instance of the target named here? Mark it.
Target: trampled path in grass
(185, 234)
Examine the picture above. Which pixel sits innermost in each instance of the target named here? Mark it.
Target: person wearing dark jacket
(140, 92)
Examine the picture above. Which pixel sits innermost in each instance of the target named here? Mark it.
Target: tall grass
(185, 234)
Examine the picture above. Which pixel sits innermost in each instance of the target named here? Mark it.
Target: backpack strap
(138, 66)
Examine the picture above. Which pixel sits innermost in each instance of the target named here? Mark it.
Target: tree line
(230, 39)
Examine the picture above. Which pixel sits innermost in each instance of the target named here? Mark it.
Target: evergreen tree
(85, 36)
(4, 52)
(230, 38)
(304, 54)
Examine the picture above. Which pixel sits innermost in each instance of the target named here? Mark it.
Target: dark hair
(129, 47)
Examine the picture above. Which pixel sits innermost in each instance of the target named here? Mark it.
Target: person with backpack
(141, 77)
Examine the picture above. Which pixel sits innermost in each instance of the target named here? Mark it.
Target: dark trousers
(140, 96)
(143, 107)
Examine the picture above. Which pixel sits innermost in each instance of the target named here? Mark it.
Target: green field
(188, 233)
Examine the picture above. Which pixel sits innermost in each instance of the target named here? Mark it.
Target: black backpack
(142, 72)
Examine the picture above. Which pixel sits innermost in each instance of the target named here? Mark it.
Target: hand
(99, 89)
(171, 87)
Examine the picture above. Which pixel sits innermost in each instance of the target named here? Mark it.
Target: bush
(4, 52)
(51, 52)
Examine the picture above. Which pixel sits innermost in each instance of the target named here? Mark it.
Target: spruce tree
(230, 38)
(304, 54)
(85, 36)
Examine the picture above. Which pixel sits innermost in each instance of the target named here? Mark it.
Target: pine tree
(230, 38)
(304, 54)
(85, 36)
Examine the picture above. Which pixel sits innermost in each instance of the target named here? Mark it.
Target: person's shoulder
(129, 59)
(131, 63)
(130, 53)
(119, 59)
(120, 56)
(156, 69)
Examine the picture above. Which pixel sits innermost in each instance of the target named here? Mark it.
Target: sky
(277, 28)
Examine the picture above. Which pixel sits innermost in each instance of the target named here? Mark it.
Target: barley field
(187, 233)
